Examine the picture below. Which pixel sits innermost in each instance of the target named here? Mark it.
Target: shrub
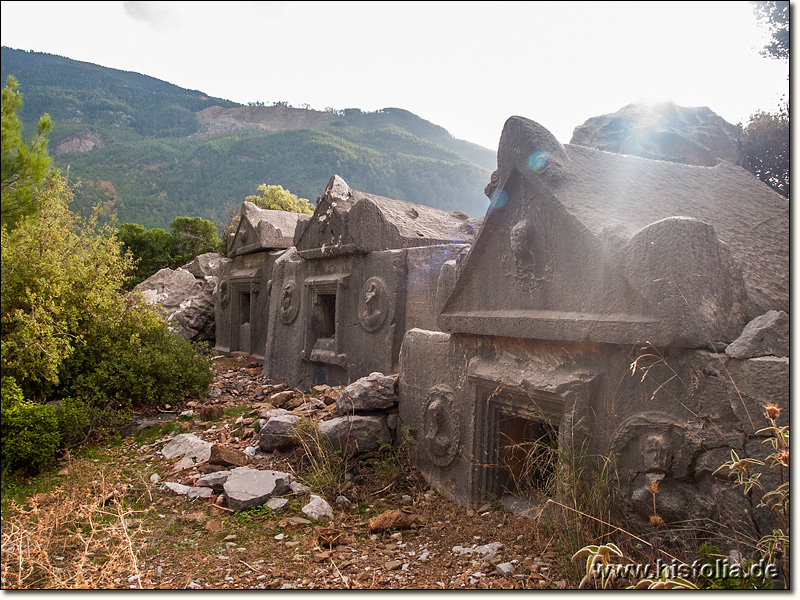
(69, 334)
(30, 434)
(131, 359)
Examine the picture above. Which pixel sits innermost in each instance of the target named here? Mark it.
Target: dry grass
(74, 537)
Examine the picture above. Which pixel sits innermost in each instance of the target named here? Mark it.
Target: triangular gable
(538, 271)
(262, 229)
(347, 221)
(535, 272)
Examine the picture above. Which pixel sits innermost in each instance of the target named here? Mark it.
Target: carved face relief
(441, 432)
(224, 292)
(521, 247)
(373, 304)
(655, 452)
(529, 261)
(290, 304)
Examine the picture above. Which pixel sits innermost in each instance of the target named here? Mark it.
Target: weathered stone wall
(458, 394)
(587, 264)
(241, 301)
(340, 318)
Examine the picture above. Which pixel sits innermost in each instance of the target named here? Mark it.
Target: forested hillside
(150, 151)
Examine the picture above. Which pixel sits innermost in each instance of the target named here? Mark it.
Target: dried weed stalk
(60, 541)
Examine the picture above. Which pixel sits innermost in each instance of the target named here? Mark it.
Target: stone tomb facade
(242, 294)
(363, 270)
(587, 263)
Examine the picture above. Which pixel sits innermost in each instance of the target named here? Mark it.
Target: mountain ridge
(148, 150)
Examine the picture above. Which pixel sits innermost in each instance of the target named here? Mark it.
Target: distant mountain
(149, 151)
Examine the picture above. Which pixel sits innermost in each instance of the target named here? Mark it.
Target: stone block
(356, 433)
(371, 393)
(247, 488)
(767, 335)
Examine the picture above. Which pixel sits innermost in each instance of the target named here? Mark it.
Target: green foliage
(150, 171)
(774, 16)
(151, 249)
(195, 236)
(24, 166)
(30, 437)
(32, 433)
(766, 142)
(78, 90)
(155, 249)
(59, 274)
(274, 197)
(131, 359)
(69, 335)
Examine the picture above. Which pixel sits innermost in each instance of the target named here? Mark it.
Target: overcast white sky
(466, 66)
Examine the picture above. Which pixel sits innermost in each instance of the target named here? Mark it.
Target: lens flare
(498, 199)
(537, 161)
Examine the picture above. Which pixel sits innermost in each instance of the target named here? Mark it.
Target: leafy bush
(69, 334)
(274, 197)
(131, 359)
(155, 249)
(30, 433)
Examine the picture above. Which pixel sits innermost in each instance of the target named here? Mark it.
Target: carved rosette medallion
(290, 303)
(373, 304)
(441, 431)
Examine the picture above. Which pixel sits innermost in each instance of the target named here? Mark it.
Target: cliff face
(217, 119)
(82, 141)
(664, 131)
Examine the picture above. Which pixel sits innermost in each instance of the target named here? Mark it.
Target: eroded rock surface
(664, 131)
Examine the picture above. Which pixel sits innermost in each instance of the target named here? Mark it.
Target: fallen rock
(356, 433)
(206, 265)
(207, 468)
(186, 301)
(213, 480)
(393, 519)
(213, 526)
(227, 456)
(275, 504)
(486, 552)
(279, 432)
(374, 392)
(188, 445)
(505, 569)
(318, 509)
(185, 490)
(281, 398)
(322, 556)
(767, 335)
(342, 501)
(210, 412)
(247, 488)
(293, 522)
(298, 489)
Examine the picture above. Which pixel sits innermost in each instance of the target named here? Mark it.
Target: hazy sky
(466, 66)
